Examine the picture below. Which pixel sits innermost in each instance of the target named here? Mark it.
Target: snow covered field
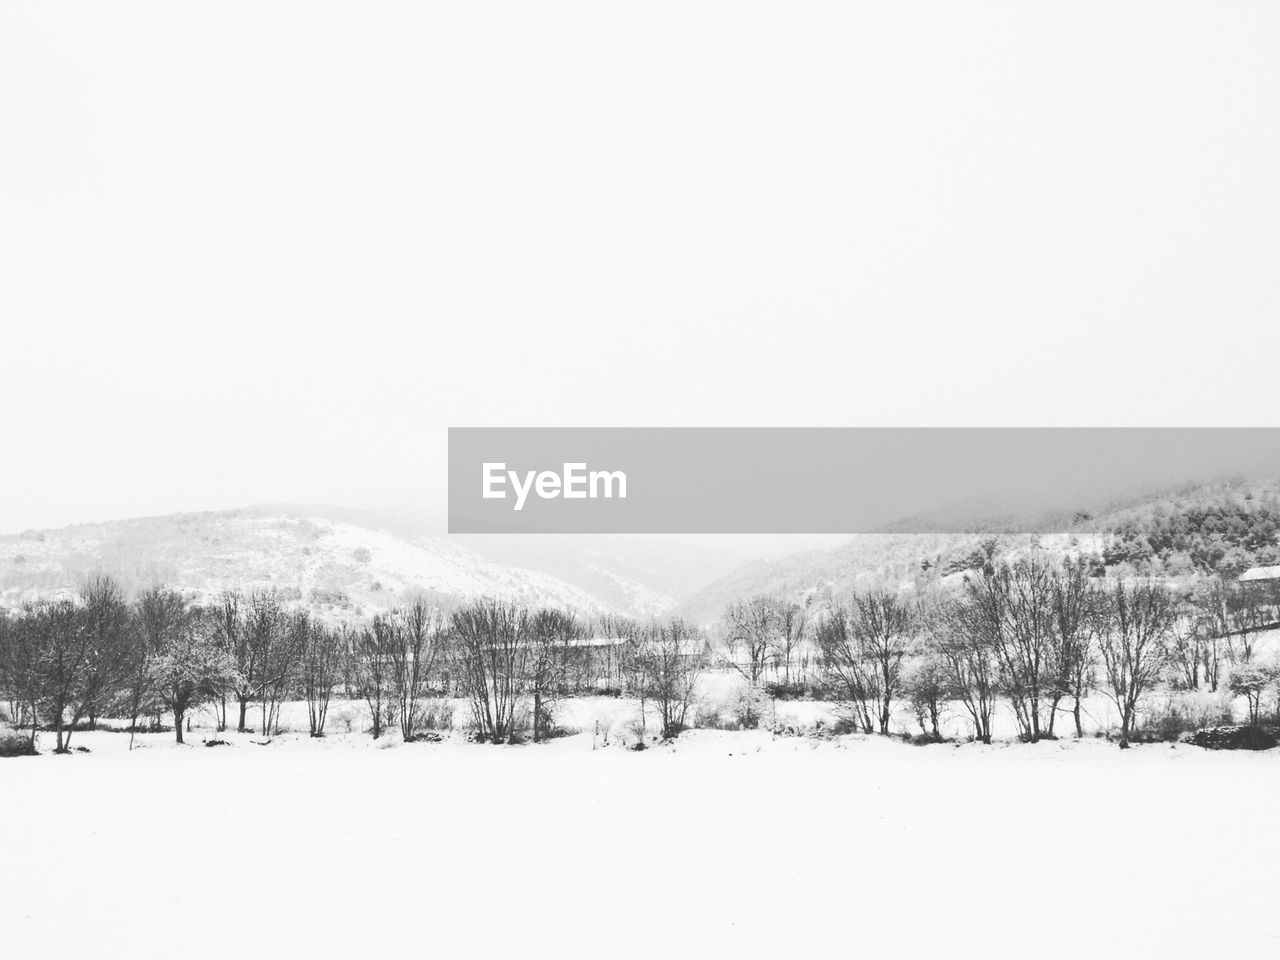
(721, 844)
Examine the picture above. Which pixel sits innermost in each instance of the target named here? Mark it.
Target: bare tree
(618, 664)
(1246, 618)
(107, 626)
(925, 683)
(670, 654)
(551, 634)
(226, 620)
(159, 616)
(846, 671)
(1186, 651)
(9, 685)
(320, 663)
(1012, 604)
(1135, 625)
(71, 656)
(884, 627)
(373, 669)
(416, 638)
(1210, 601)
(792, 626)
(1074, 638)
(273, 637)
(187, 668)
(968, 652)
(861, 648)
(750, 633)
(492, 645)
(20, 670)
(251, 628)
(61, 645)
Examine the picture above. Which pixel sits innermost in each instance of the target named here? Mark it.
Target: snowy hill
(327, 560)
(640, 575)
(1181, 531)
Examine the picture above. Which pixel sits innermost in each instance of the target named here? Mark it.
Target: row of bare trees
(766, 635)
(64, 663)
(68, 661)
(1036, 634)
(512, 657)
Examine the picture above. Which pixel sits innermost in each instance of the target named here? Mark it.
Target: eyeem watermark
(827, 479)
(574, 482)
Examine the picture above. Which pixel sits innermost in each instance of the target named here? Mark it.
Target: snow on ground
(734, 844)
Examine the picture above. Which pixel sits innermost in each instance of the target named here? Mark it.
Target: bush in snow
(751, 709)
(1255, 683)
(14, 744)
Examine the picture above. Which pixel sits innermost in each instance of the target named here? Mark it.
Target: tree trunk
(57, 726)
(177, 723)
(244, 708)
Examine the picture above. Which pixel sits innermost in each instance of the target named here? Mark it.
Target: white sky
(269, 252)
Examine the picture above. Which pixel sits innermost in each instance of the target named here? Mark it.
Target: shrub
(751, 708)
(148, 726)
(925, 739)
(788, 691)
(1233, 738)
(709, 717)
(1253, 682)
(1184, 712)
(14, 744)
(344, 719)
(842, 724)
(437, 716)
(791, 729)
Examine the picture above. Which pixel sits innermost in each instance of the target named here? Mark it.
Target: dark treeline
(1225, 534)
(1037, 635)
(66, 663)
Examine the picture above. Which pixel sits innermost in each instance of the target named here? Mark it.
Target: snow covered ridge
(330, 564)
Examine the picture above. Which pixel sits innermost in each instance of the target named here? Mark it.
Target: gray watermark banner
(827, 480)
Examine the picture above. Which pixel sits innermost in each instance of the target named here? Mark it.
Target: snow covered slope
(330, 563)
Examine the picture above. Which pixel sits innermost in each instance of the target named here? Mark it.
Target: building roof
(1260, 573)
(599, 642)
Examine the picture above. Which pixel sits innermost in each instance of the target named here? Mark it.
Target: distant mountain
(331, 559)
(866, 560)
(355, 563)
(1186, 531)
(643, 575)
(640, 575)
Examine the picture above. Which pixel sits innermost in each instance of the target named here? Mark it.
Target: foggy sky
(259, 253)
